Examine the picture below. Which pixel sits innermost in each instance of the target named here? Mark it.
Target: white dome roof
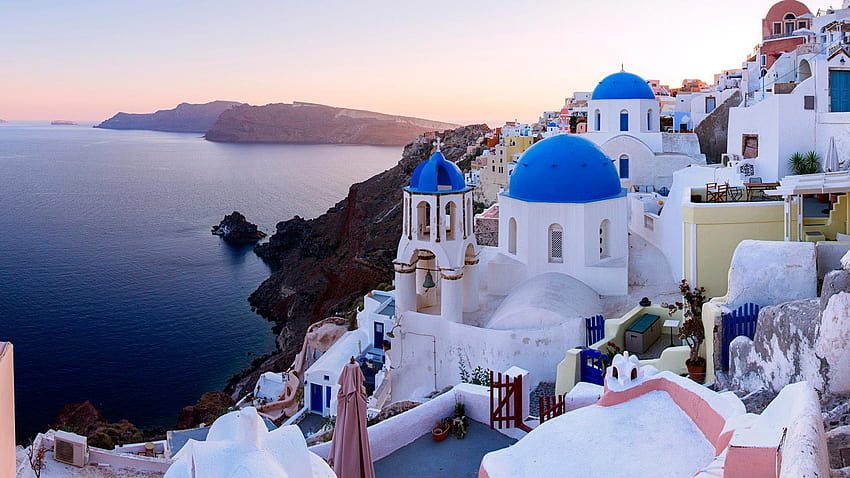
(546, 300)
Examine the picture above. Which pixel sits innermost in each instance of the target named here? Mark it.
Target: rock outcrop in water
(185, 118)
(236, 229)
(326, 264)
(309, 123)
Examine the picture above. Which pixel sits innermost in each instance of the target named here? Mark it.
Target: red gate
(506, 402)
(551, 407)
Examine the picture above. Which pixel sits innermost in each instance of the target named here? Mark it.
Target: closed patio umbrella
(831, 163)
(350, 452)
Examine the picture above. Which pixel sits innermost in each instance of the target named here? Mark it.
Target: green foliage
(101, 440)
(808, 163)
(460, 409)
(478, 207)
(573, 122)
(478, 376)
(68, 428)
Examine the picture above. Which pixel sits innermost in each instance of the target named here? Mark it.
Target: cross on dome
(438, 144)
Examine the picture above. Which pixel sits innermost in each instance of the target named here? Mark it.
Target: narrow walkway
(450, 458)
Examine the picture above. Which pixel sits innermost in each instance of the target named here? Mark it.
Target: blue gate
(594, 330)
(593, 364)
(741, 321)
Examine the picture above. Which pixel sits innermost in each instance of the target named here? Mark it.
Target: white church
(563, 243)
(624, 120)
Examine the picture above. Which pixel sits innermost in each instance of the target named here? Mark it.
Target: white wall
(7, 410)
(610, 127)
(580, 223)
(535, 350)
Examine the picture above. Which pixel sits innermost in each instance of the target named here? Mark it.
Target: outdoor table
(759, 187)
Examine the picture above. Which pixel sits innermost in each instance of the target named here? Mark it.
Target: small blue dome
(564, 169)
(552, 123)
(623, 86)
(437, 175)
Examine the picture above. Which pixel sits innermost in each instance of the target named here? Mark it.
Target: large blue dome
(437, 175)
(622, 86)
(564, 169)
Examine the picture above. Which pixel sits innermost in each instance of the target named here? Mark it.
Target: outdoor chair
(754, 180)
(716, 192)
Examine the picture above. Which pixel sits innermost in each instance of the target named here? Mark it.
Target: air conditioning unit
(70, 448)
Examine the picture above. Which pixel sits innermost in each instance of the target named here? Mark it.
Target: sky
(463, 61)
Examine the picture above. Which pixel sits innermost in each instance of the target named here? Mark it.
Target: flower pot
(696, 369)
(822, 198)
(440, 433)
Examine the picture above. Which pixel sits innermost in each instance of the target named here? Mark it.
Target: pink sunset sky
(458, 61)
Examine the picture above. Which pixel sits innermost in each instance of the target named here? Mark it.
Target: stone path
(543, 389)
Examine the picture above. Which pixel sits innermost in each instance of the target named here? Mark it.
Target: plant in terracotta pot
(692, 331)
(441, 429)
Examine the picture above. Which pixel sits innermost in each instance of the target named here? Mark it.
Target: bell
(429, 281)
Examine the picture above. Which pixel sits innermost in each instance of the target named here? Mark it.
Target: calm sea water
(112, 288)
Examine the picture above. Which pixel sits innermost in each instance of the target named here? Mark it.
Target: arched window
(598, 121)
(649, 120)
(624, 166)
(624, 120)
(556, 243)
(451, 216)
(512, 236)
(805, 70)
(423, 221)
(605, 239)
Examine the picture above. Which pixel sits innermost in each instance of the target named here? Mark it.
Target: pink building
(7, 410)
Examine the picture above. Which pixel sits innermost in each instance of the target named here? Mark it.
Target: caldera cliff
(185, 118)
(308, 123)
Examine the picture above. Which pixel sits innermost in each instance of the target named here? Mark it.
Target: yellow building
(495, 173)
(712, 231)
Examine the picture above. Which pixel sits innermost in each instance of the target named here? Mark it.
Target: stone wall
(800, 340)
(714, 129)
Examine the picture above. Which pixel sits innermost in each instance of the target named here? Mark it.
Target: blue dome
(622, 86)
(437, 175)
(564, 169)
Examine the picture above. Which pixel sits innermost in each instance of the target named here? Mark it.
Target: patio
(451, 457)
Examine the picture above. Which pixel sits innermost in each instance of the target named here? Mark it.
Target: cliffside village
(658, 285)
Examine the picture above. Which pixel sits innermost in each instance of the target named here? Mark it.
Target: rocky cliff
(309, 123)
(326, 264)
(714, 129)
(185, 118)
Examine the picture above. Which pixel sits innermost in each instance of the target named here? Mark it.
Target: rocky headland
(234, 228)
(325, 265)
(308, 123)
(185, 118)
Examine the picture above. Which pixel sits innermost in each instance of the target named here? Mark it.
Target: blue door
(328, 397)
(379, 334)
(316, 398)
(624, 168)
(839, 90)
(624, 121)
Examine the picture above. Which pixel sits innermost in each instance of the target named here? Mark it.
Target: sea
(112, 288)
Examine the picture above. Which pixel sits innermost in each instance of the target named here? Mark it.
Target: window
(624, 166)
(556, 243)
(624, 120)
(710, 104)
(649, 120)
(750, 146)
(802, 24)
(604, 239)
(598, 124)
(763, 61)
(777, 28)
(493, 168)
(512, 236)
(808, 102)
(789, 16)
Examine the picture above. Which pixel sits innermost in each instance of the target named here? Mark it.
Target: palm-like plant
(808, 163)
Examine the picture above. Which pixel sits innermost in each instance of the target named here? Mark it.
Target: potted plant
(808, 163)
(692, 331)
(459, 420)
(441, 429)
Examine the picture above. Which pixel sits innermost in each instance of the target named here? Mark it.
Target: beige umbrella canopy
(350, 454)
(830, 165)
